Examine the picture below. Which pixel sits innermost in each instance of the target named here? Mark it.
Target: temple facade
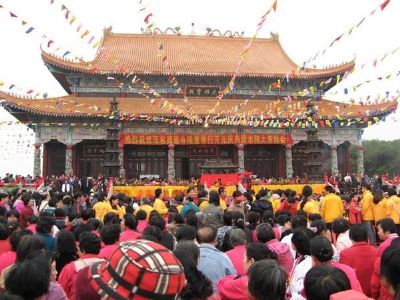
(171, 120)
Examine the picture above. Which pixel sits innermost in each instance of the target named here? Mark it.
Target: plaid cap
(139, 270)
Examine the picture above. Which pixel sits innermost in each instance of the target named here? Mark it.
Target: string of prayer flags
(382, 6)
(244, 53)
(72, 19)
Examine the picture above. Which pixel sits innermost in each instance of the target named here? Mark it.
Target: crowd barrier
(171, 191)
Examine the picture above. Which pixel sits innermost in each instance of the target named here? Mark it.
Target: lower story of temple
(179, 153)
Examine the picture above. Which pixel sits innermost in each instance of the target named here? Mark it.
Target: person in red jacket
(361, 256)
(355, 210)
(289, 203)
(235, 287)
(89, 245)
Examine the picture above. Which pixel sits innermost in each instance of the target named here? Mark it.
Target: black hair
(238, 219)
(178, 219)
(319, 225)
(89, 243)
(321, 281)
(202, 194)
(45, 224)
(301, 240)
(387, 225)
(267, 280)
(307, 192)
(378, 196)
(87, 214)
(33, 219)
(179, 197)
(206, 234)
(282, 218)
(321, 249)
(253, 218)
(392, 192)
(29, 279)
(59, 213)
(95, 223)
(213, 197)
(191, 219)
(30, 246)
(26, 198)
(12, 212)
(157, 221)
(130, 221)
(4, 232)
(141, 214)
(198, 286)
(66, 243)
(299, 220)
(186, 233)
(358, 233)
(390, 267)
(81, 228)
(221, 190)
(15, 237)
(265, 233)
(157, 192)
(190, 247)
(110, 234)
(152, 233)
(314, 216)
(268, 217)
(227, 218)
(111, 218)
(259, 251)
(329, 189)
(340, 225)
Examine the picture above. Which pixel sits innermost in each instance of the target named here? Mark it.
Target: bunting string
(72, 19)
(341, 36)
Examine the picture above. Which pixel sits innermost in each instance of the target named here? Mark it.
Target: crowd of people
(69, 243)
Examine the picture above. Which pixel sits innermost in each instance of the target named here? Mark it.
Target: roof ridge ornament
(157, 30)
(227, 33)
(274, 35)
(107, 30)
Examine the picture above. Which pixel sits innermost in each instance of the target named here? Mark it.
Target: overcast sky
(304, 27)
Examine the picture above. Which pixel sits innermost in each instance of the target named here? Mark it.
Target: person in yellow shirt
(116, 207)
(392, 203)
(102, 207)
(379, 206)
(309, 205)
(331, 207)
(203, 200)
(222, 197)
(159, 204)
(275, 201)
(146, 207)
(367, 212)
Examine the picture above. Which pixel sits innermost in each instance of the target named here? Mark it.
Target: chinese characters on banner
(203, 139)
(202, 91)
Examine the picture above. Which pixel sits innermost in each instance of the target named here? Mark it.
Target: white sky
(304, 27)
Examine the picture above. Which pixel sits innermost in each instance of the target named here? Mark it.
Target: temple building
(171, 120)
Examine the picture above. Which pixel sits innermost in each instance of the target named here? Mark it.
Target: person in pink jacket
(235, 287)
(266, 235)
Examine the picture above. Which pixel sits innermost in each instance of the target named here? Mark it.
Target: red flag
(29, 92)
(383, 5)
(49, 43)
(13, 15)
(146, 19)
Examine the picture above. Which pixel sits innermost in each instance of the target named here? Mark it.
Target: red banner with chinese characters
(203, 139)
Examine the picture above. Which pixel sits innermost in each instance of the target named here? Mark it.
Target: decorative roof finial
(107, 30)
(193, 31)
